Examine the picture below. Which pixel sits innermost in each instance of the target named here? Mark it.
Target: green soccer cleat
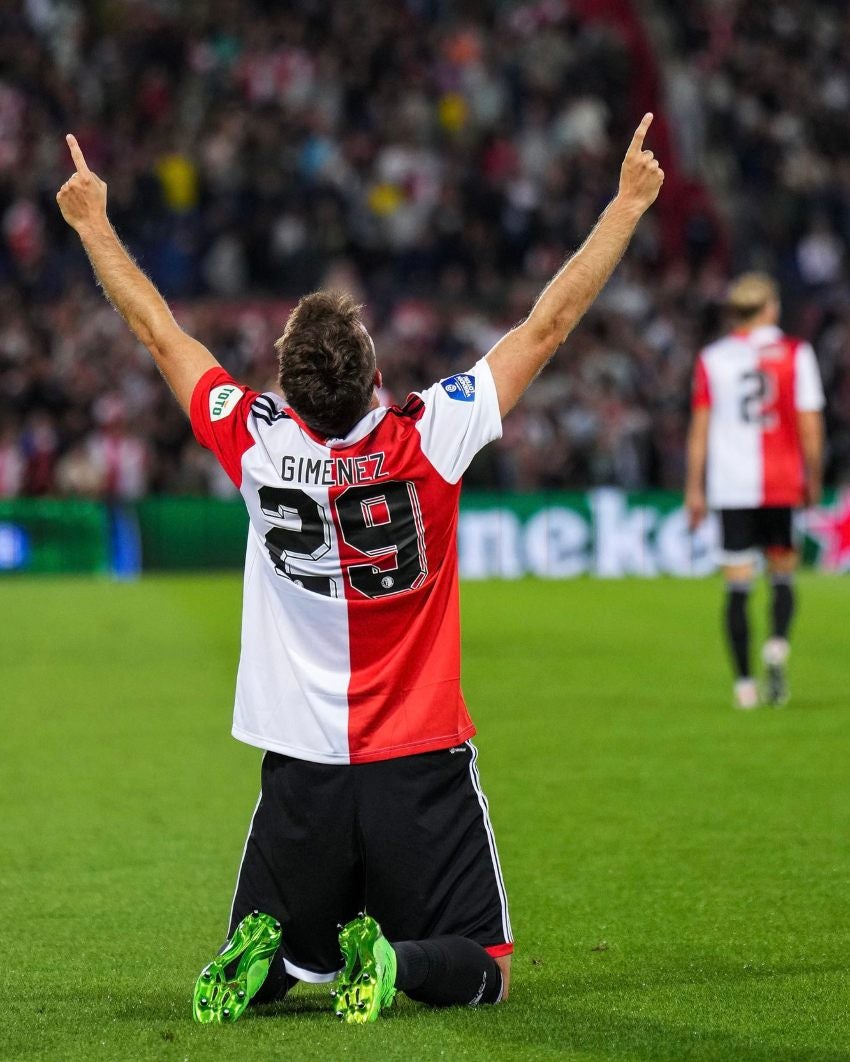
(776, 686)
(221, 996)
(367, 982)
(775, 657)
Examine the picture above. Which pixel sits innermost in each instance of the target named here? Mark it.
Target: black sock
(445, 971)
(737, 626)
(781, 605)
(277, 983)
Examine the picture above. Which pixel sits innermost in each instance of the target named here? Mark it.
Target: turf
(678, 871)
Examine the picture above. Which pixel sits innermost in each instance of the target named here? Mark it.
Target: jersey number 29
(380, 524)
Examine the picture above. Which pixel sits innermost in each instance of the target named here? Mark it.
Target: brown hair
(327, 363)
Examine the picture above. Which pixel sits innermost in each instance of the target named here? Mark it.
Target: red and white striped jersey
(350, 624)
(754, 384)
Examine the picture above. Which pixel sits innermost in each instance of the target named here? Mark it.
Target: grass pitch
(678, 871)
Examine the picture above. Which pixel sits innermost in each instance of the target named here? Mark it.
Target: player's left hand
(641, 175)
(82, 198)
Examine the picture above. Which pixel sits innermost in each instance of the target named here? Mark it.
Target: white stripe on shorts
(242, 860)
(491, 840)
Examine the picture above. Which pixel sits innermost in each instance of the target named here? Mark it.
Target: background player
(349, 674)
(757, 437)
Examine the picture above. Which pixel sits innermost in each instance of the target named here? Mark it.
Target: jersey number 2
(381, 523)
(758, 394)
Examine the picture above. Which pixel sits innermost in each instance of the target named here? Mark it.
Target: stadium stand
(436, 159)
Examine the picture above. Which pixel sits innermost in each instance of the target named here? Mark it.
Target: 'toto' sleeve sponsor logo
(223, 400)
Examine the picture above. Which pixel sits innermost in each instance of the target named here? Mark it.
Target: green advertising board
(605, 533)
(192, 533)
(610, 533)
(53, 535)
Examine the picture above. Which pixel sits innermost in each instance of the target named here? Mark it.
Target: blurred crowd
(437, 159)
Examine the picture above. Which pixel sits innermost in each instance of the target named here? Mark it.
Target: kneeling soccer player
(349, 677)
(757, 424)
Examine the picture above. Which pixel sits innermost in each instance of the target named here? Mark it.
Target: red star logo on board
(831, 528)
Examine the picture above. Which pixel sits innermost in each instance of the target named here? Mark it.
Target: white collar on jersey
(764, 334)
(361, 429)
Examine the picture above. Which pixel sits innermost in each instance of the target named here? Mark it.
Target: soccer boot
(775, 657)
(227, 984)
(367, 982)
(745, 694)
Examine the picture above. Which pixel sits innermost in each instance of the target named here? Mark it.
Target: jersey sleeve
(808, 389)
(701, 392)
(461, 415)
(219, 414)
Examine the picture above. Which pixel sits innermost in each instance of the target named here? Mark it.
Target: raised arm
(520, 355)
(181, 359)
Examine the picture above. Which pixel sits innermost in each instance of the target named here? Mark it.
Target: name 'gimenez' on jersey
(350, 626)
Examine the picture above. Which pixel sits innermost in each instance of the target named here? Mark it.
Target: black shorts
(407, 840)
(748, 530)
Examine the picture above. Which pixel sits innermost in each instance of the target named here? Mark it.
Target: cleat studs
(339, 925)
(226, 1012)
(255, 912)
(340, 1015)
(203, 1001)
(366, 979)
(277, 925)
(241, 993)
(333, 993)
(360, 914)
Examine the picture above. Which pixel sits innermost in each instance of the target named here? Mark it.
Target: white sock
(776, 651)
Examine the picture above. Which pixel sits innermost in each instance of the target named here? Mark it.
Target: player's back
(754, 384)
(351, 643)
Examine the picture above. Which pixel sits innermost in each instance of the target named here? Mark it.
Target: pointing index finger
(77, 154)
(640, 132)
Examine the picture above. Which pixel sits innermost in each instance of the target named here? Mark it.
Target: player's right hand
(82, 198)
(696, 508)
(641, 175)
